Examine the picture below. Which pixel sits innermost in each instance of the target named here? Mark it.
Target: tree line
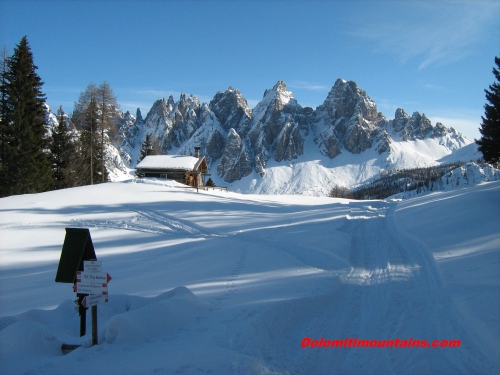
(36, 158)
(396, 181)
(418, 180)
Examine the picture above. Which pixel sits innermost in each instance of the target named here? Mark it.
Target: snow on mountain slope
(315, 148)
(225, 283)
(465, 153)
(315, 174)
(419, 154)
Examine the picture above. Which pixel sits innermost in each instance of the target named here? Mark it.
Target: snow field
(226, 283)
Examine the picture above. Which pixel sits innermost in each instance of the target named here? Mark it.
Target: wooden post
(83, 315)
(94, 325)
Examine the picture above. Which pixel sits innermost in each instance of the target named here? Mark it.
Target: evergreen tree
(489, 144)
(62, 153)
(90, 148)
(5, 130)
(26, 168)
(210, 182)
(147, 148)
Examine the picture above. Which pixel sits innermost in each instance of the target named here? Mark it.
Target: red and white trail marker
(89, 288)
(93, 300)
(92, 283)
(93, 277)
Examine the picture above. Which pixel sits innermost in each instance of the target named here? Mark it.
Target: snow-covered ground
(225, 283)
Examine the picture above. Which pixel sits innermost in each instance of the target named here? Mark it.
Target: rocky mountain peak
(274, 101)
(127, 122)
(159, 109)
(413, 127)
(400, 114)
(127, 116)
(346, 99)
(279, 95)
(280, 125)
(138, 116)
(280, 86)
(170, 102)
(231, 109)
(347, 119)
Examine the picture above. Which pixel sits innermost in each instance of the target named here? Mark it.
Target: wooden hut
(188, 170)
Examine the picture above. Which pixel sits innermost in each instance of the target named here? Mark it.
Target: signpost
(78, 265)
(94, 284)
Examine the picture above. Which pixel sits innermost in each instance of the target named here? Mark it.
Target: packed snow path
(258, 274)
(393, 289)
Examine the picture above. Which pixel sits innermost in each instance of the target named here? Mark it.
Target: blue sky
(434, 57)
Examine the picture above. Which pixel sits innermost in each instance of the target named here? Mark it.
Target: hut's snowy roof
(169, 162)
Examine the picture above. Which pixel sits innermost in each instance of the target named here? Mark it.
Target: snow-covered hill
(225, 283)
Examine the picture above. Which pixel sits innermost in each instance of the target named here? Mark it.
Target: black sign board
(77, 247)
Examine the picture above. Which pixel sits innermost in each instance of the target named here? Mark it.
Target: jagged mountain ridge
(239, 142)
(280, 147)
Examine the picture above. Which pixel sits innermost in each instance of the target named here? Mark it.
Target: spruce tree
(62, 153)
(489, 144)
(5, 130)
(147, 148)
(27, 168)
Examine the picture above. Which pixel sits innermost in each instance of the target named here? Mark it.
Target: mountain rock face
(348, 119)
(411, 128)
(169, 123)
(279, 127)
(235, 162)
(238, 141)
(232, 111)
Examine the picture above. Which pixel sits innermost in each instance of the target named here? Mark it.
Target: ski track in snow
(396, 279)
(157, 223)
